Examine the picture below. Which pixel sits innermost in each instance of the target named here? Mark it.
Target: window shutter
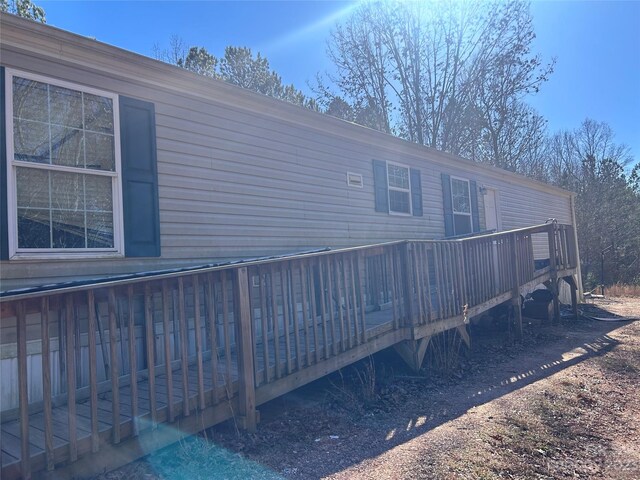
(416, 192)
(4, 221)
(380, 186)
(448, 205)
(139, 178)
(475, 215)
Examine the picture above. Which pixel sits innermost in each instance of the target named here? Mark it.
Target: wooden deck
(246, 334)
(11, 429)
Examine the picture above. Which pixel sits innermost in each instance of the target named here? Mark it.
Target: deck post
(554, 272)
(46, 383)
(23, 394)
(244, 346)
(515, 290)
(407, 281)
(114, 370)
(574, 301)
(573, 285)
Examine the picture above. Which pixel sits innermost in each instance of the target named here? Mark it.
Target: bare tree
(515, 141)
(176, 51)
(363, 68)
(448, 74)
(590, 162)
(567, 151)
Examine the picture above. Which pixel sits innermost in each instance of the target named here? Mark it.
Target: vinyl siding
(521, 206)
(241, 175)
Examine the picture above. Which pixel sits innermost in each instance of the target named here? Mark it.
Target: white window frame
(16, 253)
(397, 189)
(453, 208)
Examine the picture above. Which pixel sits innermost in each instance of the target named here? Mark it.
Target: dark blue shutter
(447, 204)
(4, 222)
(380, 186)
(475, 215)
(416, 192)
(139, 178)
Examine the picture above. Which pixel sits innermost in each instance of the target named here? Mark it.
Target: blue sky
(596, 44)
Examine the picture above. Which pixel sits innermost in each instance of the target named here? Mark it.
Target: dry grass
(622, 290)
(194, 458)
(443, 354)
(355, 391)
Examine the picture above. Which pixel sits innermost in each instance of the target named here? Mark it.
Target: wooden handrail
(249, 263)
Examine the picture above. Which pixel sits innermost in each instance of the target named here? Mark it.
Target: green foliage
(24, 9)
(634, 179)
(239, 66)
(200, 61)
(337, 107)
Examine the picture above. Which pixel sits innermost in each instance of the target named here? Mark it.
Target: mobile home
(161, 231)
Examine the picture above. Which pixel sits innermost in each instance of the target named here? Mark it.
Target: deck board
(10, 442)
(104, 420)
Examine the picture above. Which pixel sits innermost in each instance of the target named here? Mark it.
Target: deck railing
(104, 362)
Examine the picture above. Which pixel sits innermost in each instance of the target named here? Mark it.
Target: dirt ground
(564, 403)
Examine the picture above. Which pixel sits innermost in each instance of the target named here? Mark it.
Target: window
(461, 202)
(64, 169)
(399, 189)
(460, 205)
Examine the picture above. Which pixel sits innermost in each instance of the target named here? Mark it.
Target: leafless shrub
(622, 290)
(443, 354)
(358, 389)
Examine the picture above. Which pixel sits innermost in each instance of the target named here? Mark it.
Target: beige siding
(241, 175)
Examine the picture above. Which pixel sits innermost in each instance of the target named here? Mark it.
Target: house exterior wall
(241, 175)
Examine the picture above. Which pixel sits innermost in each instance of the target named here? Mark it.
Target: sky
(596, 45)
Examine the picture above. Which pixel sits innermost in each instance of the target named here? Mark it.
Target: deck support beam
(413, 352)
(515, 291)
(464, 334)
(552, 286)
(573, 285)
(244, 343)
(407, 280)
(556, 301)
(553, 281)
